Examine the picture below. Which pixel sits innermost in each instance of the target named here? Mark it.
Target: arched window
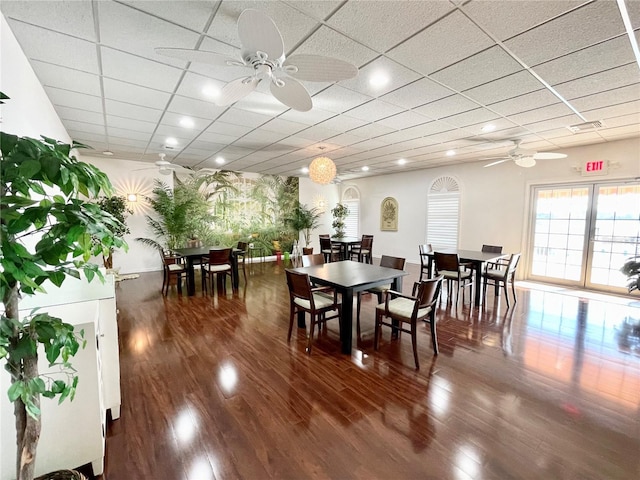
(443, 209)
(351, 198)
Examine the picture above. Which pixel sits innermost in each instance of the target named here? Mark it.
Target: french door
(583, 233)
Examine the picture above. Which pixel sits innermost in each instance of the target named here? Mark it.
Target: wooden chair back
(428, 291)
(392, 262)
(219, 257)
(299, 285)
(446, 262)
(315, 259)
(492, 248)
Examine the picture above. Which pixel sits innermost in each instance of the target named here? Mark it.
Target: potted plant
(632, 270)
(46, 234)
(304, 219)
(116, 205)
(340, 213)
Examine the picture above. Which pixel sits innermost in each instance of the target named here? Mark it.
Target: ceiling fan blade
(548, 156)
(258, 33)
(292, 93)
(498, 162)
(236, 89)
(200, 56)
(318, 68)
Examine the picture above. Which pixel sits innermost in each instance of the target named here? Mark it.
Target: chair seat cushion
(403, 308)
(381, 289)
(453, 275)
(321, 300)
(495, 273)
(216, 268)
(174, 267)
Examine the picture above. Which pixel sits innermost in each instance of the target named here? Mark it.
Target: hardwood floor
(211, 390)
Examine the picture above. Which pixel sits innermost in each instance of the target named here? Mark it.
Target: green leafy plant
(632, 270)
(116, 205)
(304, 219)
(46, 234)
(340, 212)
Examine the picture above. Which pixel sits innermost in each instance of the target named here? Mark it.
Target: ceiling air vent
(586, 126)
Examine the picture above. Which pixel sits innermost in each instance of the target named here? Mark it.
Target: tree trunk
(108, 261)
(27, 428)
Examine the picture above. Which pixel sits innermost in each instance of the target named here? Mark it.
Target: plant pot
(307, 251)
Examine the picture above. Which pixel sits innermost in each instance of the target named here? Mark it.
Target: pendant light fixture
(322, 170)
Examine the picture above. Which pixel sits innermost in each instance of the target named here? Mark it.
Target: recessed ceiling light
(365, 169)
(108, 153)
(450, 153)
(210, 91)
(402, 161)
(489, 127)
(220, 160)
(171, 141)
(378, 80)
(304, 170)
(186, 122)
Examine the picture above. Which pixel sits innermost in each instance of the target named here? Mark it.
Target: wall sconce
(132, 197)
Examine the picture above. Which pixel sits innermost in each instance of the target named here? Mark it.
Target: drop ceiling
(448, 68)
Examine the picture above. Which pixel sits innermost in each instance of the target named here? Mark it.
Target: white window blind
(353, 219)
(442, 220)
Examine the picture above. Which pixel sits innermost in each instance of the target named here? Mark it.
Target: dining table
(348, 278)
(345, 244)
(191, 255)
(477, 259)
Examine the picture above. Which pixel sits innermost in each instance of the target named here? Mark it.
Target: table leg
(234, 268)
(478, 283)
(346, 327)
(301, 321)
(191, 278)
(430, 266)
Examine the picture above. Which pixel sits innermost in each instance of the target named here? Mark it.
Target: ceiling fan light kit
(524, 158)
(263, 53)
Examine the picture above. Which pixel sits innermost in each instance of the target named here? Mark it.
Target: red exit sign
(595, 167)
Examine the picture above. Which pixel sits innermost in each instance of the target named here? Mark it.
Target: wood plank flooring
(549, 389)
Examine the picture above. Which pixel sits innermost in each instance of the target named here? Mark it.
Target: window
(351, 199)
(443, 208)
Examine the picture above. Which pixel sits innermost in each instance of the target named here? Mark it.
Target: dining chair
(329, 250)
(424, 259)
(241, 257)
(316, 301)
(385, 261)
(315, 259)
(363, 251)
(492, 248)
(500, 274)
(217, 264)
(173, 267)
(448, 265)
(401, 309)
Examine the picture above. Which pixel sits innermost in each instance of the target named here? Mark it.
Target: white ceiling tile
(317, 133)
(614, 110)
(128, 68)
(418, 93)
(504, 88)
(318, 9)
(299, 141)
(263, 103)
(127, 29)
(588, 25)
(505, 19)
(588, 61)
(67, 113)
(343, 123)
(624, 120)
(69, 16)
(210, 147)
(126, 133)
(443, 43)
(229, 128)
(381, 68)
(339, 99)
(404, 120)
(356, 18)
(553, 123)
(224, 74)
(134, 94)
(195, 108)
(345, 139)
(471, 72)
(130, 124)
(472, 117)
(89, 139)
(374, 110)
(52, 47)
(600, 82)
(325, 41)
(626, 94)
(218, 138)
(175, 120)
(281, 125)
(192, 14)
(313, 116)
(371, 130)
(61, 77)
(544, 113)
(194, 85)
(71, 99)
(447, 106)
(183, 135)
(523, 103)
(259, 139)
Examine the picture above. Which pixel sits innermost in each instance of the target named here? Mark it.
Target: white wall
(494, 201)
(310, 194)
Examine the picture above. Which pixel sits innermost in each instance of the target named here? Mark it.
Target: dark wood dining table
(348, 278)
(477, 259)
(345, 244)
(193, 254)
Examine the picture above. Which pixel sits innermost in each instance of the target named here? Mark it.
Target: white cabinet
(73, 433)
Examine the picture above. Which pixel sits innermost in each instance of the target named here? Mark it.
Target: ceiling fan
(263, 57)
(524, 158)
(165, 167)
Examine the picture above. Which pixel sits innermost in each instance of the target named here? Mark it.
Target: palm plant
(304, 219)
(632, 270)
